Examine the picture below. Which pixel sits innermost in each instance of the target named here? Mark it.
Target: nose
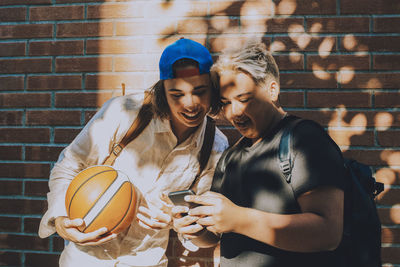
(189, 102)
(236, 108)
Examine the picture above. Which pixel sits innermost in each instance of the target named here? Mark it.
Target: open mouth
(191, 116)
(242, 123)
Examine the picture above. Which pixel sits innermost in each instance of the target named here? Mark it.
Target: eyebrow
(239, 96)
(195, 88)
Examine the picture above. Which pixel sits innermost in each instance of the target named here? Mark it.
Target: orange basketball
(102, 197)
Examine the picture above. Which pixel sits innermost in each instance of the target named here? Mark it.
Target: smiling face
(189, 101)
(247, 106)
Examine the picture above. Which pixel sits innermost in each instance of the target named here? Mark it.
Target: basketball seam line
(112, 196)
(87, 180)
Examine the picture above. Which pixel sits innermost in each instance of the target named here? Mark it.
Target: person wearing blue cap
(177, 148)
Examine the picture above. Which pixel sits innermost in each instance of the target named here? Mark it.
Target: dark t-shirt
(249, 176)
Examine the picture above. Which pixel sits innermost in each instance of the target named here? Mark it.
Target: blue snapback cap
(184, 48)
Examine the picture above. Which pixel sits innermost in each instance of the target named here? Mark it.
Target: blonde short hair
(252, 59)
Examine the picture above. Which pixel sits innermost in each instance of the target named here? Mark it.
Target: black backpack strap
(284, 155)
(206, 148)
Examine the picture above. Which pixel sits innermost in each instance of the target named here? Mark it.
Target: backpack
(361, 239)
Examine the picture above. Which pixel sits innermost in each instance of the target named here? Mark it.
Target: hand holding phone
(178, 198)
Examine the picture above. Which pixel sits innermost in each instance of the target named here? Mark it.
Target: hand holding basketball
(101, 198)
(68, 230)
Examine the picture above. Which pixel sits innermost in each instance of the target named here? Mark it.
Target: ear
(274, 90)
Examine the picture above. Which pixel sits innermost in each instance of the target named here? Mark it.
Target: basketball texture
(102, 197)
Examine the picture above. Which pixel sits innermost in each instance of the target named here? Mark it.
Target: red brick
(31, 225)
(55, 82)
(81, 99)
(325, 118)
(338, 25)
(305, 7)
(337, 62)
(198, 26)
(218, 44)
(306, 81)
(10, 224)
(369, 7)
(77, 1)
(36, 188)
(388, 176)
(11, 83)
(65, 135)
(370, 43)
(336, 99)
(228, 8)
(291, 62)
(374, 157)
(24, 135)
(387, 24)
(114, 46)
(370, 119)
(26, 31)
(48, 48)
(389, 197)
(24, 2)
(53, 117)
(43, 153)
(170, 9)
(10, 258)
(371, 80)
(88, 115)
(119, 10)
(13, 14)
(114, 81)
(387, 99)
(12, 49)
(11, 188)
(390, 255)
(91, 29)
(41, 259)
(304, 43)
(389, 138)
(24, 170)
(89, 64)
(390, 235)
(11, 117)
(25, 100)
(25, 65)
(56, 13)
(291, 99)
(389, 216)
(10, 153)
(11, 241)
(23, 206)
(136, 63)
(58, 244)
(270, 25)
(149, 27)
(352, 138)
(386, 62)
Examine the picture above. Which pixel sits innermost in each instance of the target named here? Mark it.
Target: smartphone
(177, 197)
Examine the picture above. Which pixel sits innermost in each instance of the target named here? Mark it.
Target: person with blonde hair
(263, 217)
(163, 158)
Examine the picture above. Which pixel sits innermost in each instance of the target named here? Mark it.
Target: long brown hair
(159, 99)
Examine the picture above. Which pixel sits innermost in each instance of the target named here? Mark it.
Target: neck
(181, 133)
(278, 116)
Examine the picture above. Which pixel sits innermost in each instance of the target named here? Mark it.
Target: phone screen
(177, 197)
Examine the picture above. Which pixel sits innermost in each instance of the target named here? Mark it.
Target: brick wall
(62, 59)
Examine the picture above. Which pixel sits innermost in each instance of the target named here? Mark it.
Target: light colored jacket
(154, 163)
